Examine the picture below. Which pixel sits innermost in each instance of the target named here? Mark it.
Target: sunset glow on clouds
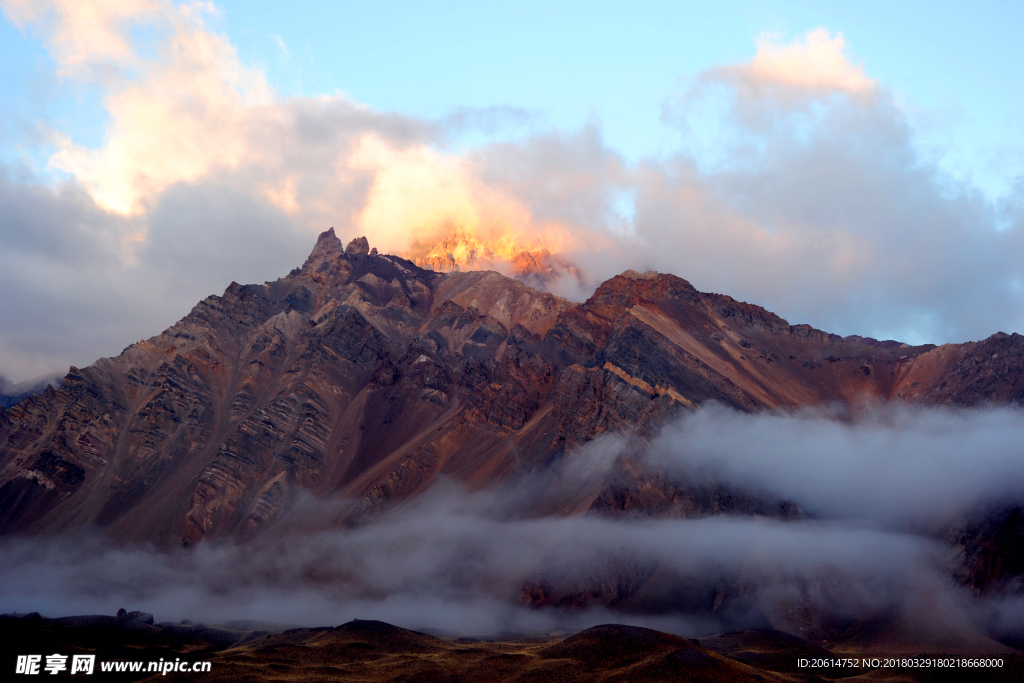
(419, 196)
(174, 117)
(196, 108)
(833, 220)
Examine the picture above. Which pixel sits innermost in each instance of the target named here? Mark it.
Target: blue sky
(857, 166)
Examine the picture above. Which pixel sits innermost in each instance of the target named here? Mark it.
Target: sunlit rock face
(360, 379)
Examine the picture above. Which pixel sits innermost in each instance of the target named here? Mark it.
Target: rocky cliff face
(361, 378)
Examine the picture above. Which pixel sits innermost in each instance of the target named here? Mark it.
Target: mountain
(362, 378)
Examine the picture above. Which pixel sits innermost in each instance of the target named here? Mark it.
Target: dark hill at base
(374, 651)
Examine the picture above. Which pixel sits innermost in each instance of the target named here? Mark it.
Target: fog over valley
(878, 494)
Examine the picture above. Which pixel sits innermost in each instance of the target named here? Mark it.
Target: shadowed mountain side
(362, 378)
(988, 541)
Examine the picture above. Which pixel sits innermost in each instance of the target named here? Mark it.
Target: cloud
(448, 562)
(83, 35)
(817, 204)
(814, 201)
(191, 109)
(418, 193)
(186, 109)
(12, 393)
(205, 176)
(819, 207)
(72, 294)
(903, 468)
(817, 61)
(194, 112)
(502, 197)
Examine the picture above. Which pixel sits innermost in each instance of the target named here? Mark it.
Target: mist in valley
(878, 493)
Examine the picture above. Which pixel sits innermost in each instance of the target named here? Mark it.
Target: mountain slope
(363, 378)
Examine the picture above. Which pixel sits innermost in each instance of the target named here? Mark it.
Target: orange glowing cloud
(191, 111)
(195, 109)
(173, 118)
(433, 208)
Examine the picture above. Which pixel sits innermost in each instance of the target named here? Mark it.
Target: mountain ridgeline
(361, 379)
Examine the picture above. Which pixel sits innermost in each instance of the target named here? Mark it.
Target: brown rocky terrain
(362, 378)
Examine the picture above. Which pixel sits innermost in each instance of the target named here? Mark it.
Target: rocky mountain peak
(359, 245)
(633, 275)
(624, 291)
(328, 247)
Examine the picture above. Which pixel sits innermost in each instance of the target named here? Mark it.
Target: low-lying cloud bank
(905, 468)
(879, 491)
(442, 564)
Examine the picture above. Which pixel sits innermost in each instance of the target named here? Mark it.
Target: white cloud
(84, 35)
(816, 61)
(908, 469)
